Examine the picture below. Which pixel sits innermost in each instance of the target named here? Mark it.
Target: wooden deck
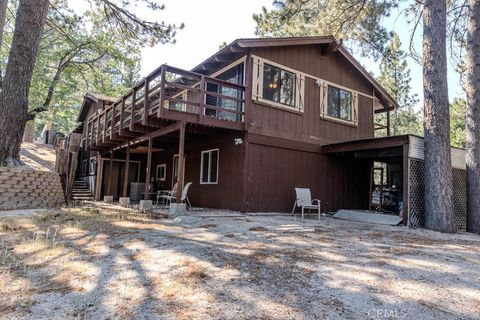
(166, 96)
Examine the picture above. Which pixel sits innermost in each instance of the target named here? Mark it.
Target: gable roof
(239, 47)
(90, 98)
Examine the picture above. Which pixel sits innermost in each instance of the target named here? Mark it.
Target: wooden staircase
(81, 191)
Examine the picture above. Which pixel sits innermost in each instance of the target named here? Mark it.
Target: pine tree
(438, 169)
(359, 21)
(473, 117)
(395, 78)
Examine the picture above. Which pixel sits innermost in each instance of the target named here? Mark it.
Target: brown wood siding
(309, 127)
(274, 172)
(227, 193)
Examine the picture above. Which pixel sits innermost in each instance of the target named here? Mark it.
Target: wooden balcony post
(127, 169)
(145, 102)
(98, 129)
(104, 125)
(87, 134)
(122, 115)
(162, 92)
(203, 98)
(148, 172)
(132, 117)
(181, 162)
(112, 123)
(247, 94)
(109, 180)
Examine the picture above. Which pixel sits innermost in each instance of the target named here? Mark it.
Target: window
(177, 105)
(233, 75)
(161, 172)
(278, 86)
(209, 167)
(93, 166)
(339, 103)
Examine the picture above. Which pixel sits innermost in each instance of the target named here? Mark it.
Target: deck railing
(165, 90)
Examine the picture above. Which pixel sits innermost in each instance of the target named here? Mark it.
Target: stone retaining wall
(24, 188)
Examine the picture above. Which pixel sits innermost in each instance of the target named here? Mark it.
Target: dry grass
(91, 262)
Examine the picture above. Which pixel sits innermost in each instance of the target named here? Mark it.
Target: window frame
(92, 162)
(235, 64)
(164, 166)
(330, 86)
(209, 165)
(257, 85)
(324, 85)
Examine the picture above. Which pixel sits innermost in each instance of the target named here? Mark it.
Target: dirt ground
(90, 263)
(38, 156)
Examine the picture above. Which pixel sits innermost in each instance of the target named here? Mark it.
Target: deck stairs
(81, 191)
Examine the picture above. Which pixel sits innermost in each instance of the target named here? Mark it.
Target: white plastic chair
(304, 201)
(183, 198)
(163, 193)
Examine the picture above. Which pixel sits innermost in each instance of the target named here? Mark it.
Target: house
(246, 126)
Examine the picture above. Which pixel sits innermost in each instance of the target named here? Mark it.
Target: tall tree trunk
(3, 15)
(473, 118)
(438, 170)
(30, 19)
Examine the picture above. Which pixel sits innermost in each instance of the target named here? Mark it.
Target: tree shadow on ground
(246, 268)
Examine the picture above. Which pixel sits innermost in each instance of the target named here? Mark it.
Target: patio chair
(183, 198)
(304, 201)
(162, 193)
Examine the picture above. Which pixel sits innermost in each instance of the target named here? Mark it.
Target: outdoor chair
(162, 193)
(304, 201)
(183, 199)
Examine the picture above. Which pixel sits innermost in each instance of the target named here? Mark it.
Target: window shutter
(300, 96)
(323, 99)
(355, 108)
(257, 85)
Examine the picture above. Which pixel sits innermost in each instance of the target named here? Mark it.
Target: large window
(209, 167)
(233, 75)
(278, 85)
(339, 103)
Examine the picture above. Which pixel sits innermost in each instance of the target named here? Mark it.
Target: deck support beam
(405, 187)
(148, 172)
(388, 124)
(127, 169)
(181, 162)
(109, 180)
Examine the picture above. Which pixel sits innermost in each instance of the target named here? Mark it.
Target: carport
(405, 153)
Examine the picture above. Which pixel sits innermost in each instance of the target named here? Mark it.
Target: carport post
(109, 180)
(406, 177)
(181, 162)
(149, 164)
(127, 168)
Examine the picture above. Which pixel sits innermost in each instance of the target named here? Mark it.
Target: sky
(209, 23)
